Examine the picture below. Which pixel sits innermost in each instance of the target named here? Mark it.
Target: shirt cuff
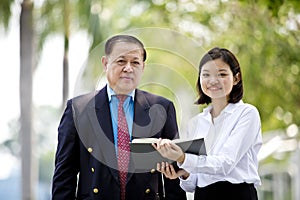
(190, 162)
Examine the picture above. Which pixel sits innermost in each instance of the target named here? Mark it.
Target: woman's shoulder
(243, 105)
(245, 108)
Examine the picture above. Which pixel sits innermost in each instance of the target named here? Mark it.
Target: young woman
(232, 132)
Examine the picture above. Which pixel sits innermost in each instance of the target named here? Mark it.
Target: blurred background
(50, 51)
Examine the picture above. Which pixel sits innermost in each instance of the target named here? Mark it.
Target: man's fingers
(172, 169)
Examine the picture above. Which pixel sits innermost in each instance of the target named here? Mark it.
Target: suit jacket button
(147, 191)
(152, 171)
(90, 150)
(95, 190)
(92, 169)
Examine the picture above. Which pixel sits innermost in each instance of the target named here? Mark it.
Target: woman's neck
(217, 107)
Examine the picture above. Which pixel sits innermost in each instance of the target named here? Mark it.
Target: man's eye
(121, 61)
(136, 63)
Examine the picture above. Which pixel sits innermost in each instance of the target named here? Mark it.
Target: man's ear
(237, 78)
(143, 66)
(104, 62)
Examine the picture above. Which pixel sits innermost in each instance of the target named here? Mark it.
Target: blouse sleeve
(244, 137)
(189, 184)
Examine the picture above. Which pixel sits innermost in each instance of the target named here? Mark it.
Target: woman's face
(216, 79)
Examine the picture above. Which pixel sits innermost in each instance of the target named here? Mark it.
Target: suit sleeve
(173, 190)
(67, 158)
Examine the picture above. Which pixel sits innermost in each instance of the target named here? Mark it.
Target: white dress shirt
(232, 150)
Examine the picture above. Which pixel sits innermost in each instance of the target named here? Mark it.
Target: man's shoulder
(82, 101)
(84, 98)
(155, 98)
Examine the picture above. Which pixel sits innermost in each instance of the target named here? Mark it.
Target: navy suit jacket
(85, 161)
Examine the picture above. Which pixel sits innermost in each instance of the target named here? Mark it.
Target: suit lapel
(140, 121)
(149, 119)
(99, 115)
(141, 115)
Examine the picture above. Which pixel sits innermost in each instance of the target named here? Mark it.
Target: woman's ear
(237, 78)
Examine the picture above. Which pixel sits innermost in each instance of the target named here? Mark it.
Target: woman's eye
(222, 75)
(205, 75)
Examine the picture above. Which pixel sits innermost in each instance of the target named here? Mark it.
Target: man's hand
(169, 171)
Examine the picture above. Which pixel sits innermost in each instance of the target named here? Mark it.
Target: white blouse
(232, 150)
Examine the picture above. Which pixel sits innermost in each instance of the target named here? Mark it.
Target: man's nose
(128, 67)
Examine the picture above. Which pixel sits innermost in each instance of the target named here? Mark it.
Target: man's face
(124, 67)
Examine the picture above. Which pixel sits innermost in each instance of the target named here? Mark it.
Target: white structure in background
(280, 181)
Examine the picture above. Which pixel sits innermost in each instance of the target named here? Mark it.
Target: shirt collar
(111, 92)
(228, 109)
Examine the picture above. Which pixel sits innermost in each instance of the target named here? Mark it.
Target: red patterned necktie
(123, 145)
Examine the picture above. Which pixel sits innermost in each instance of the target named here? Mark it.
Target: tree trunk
(65, 72)
(66, 17)
(29, 163)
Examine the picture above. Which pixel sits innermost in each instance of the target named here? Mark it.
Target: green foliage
(5, 12)
(11, 144)
(46, 118)
(46, 166)
(263, 34)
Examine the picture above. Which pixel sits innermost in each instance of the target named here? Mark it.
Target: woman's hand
(169, 171)
(169, 150)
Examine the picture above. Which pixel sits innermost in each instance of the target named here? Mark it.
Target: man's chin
(125, 90)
